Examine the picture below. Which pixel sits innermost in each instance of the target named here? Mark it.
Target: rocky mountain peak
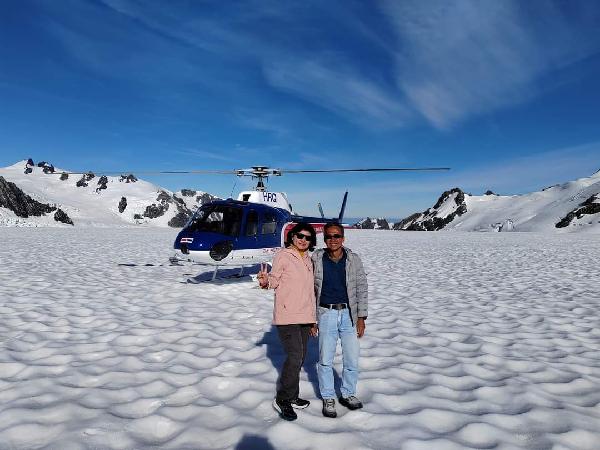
(450, 205)
(14, 199)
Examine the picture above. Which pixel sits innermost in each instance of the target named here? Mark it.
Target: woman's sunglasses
(332, 236)
(301, 236)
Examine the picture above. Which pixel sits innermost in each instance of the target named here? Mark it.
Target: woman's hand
(314, 330)
(263, 276)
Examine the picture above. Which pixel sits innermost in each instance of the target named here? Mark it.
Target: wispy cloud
(213, 155)
(462, 58)
(262, 121)
(438, 61)
(338, 88)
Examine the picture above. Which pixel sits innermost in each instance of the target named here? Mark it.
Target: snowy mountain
(572, 206)
(373, 224)
(41, 195)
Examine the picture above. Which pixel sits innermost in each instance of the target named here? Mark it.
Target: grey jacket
(356, 282)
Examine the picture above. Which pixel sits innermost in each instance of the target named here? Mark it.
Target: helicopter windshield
(217, 219)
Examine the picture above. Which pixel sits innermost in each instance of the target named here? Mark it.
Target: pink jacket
(293, 281)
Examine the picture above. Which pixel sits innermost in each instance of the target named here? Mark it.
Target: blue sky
(507, 93)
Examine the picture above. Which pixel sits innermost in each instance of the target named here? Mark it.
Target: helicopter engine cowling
(221, 250)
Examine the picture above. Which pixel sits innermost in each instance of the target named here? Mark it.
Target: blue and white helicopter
(251, 229)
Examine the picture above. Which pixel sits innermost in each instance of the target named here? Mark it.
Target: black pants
(294, 339)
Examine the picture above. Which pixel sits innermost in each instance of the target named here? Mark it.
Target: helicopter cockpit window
(252, 223)
(218, 219)
(269, 225)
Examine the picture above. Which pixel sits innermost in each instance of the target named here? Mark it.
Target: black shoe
(285, 410)
(300, 403)
(329, 408)
(351, 402)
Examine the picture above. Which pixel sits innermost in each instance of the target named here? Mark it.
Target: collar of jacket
(320, 251)
(295, 253)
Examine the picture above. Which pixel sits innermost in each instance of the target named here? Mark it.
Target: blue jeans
(334, 325)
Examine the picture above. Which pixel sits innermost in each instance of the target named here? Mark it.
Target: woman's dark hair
(302, 226)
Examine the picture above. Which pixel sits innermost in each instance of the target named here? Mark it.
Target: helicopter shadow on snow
(276, 354)
(224, 275)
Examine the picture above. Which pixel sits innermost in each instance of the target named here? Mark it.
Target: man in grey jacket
(341, 292)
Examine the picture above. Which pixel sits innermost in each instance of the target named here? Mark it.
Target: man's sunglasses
(332, 236)
(301, 236)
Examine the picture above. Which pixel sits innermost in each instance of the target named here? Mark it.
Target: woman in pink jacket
(294, 311)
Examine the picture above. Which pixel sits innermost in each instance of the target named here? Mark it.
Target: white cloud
(335, 86)
(462, 58)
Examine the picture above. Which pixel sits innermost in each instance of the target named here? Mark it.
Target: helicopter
(252, 228)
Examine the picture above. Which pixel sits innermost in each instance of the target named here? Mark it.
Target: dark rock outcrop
(131, 178)
(429, 220)
(550, 187)
(164, 202)
(371, 224)
(164, 197)
(122, 205)
(156, 210)
(205, 198)
(153, 211)
(61, 216)
(13, 198)
(83, 182)
(102, 182)
(64, 176)
(188, 192)
(400, 225)
(29, 165)
(590, 206)
(488, 192)
(179, 220)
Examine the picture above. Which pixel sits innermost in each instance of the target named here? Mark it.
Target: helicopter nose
(220, 250)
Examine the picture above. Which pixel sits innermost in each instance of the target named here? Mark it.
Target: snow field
(473, 341)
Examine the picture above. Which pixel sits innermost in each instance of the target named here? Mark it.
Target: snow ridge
(571, 206)
(91, 200)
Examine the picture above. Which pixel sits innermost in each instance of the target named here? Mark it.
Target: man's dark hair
(329, 225)
(302, 226)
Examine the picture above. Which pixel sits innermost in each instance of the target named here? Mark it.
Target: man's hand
(360, 327)
(314, 330)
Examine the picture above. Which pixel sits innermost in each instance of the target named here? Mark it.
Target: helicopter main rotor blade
(153, 172)
(258, 171)
(376, 169)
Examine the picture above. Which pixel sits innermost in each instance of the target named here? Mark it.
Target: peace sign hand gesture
(263, 276)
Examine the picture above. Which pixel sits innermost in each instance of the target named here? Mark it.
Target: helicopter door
(268, 230)
(252, 224)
